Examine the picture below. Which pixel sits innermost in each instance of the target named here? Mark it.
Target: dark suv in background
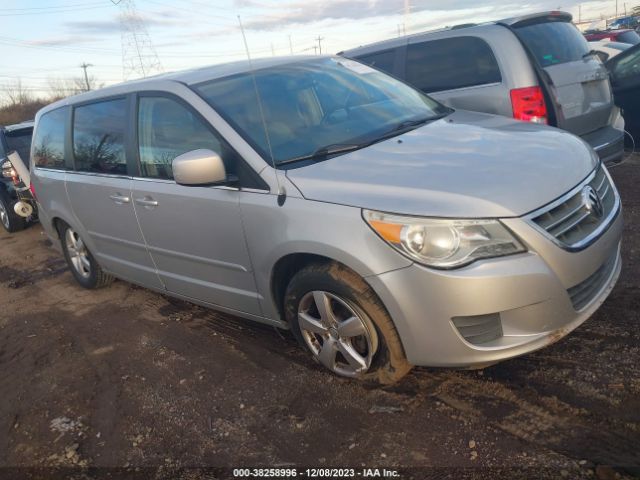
(18, 138)
(536, 68)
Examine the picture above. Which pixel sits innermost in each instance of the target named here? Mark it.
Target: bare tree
(15, 93)
(64, 87)
(61, 87)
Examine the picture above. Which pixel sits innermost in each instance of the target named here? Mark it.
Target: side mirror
(199, 167)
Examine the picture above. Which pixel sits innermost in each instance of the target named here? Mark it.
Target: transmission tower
(139, 57)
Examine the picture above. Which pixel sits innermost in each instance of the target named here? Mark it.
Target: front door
(625, 79)
(194, 233)
(100, 192)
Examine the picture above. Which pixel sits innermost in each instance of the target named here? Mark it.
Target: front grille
(583, 293)
(479, 329)
(574, 221)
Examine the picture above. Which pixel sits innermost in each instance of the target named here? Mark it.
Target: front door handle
(119, 198)
(147, 202)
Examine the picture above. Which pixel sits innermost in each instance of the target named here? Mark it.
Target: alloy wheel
(78, 253)
(339, 336)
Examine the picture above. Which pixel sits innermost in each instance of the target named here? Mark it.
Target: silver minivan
(321, 195)
(536, 68)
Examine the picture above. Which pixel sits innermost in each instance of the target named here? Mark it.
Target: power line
(54, 7)
(52, 12)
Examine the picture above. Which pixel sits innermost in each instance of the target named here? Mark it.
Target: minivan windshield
(553, 43)
(316, 108)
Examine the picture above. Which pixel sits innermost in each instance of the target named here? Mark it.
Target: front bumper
(528, 293)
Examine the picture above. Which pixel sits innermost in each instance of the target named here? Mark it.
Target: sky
(45, 40)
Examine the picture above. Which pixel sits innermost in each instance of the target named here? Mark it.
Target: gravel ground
(123, 382)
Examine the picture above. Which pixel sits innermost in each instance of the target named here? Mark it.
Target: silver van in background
(322, 195)
(536, 68)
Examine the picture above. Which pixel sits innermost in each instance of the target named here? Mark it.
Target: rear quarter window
(48, 141)
(553, 43)
(451, 63)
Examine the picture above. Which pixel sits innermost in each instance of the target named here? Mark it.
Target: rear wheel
(10, 221)
(81, 262)
(336, 316)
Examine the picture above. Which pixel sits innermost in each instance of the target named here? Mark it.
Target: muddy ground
(125, 382)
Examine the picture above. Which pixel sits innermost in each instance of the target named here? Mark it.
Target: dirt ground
(123, 382)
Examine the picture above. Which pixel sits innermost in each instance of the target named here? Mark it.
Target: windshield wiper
(324, 152)
(407, 125)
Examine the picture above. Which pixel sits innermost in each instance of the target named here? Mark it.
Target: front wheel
(337, 317)
(81, 262)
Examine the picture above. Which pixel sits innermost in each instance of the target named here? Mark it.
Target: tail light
(528, 105)
(33, 191)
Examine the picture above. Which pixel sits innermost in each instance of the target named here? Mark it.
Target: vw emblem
(592, 202)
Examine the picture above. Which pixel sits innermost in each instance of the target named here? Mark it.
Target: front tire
(10, 221)
(338, 318)
(81, 262)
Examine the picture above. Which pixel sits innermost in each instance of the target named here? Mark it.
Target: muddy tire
(84, 267)
(9, 219)
(336, 316)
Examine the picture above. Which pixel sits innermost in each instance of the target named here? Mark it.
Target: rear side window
(451, 63)
(167, 129)
(98, 137)
(48, 141)
(553, 43)
(381, 60)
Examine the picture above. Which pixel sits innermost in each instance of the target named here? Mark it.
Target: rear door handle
(119, 198)
(147, 202)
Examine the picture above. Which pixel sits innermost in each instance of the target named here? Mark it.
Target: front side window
(48, 141)
(167, 129)
(98, 137)
(315, 105)
(626, 67)
(451, 63)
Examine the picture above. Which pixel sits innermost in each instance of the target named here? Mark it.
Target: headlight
(444, 243)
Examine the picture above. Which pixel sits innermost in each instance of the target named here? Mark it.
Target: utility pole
(290, 45)
(84, 67)
(407, 12)
(320, 43)
(579, 13)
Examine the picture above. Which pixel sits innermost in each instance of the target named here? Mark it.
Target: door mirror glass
(199, 167)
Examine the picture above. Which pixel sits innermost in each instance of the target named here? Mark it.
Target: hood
(465, 165)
